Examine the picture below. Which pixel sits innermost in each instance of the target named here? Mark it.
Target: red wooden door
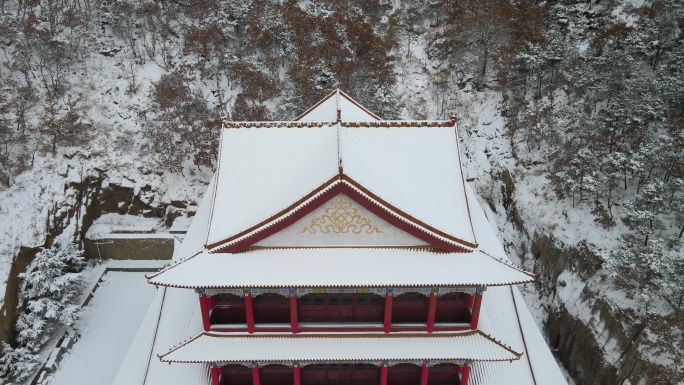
(276, 375)
(443, 374)
(340, 307)
(236, 375)
(366, 374)
(313, 374)
(368, 308)
(404, 374)
(340, 374)
(228, 309)
(452, 307)
(410, 308)
(271, 308)
(311, 308)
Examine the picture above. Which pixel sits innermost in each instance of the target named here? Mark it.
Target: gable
(327, 110)
(341, 222)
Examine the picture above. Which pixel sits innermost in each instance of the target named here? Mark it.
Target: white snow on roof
(103, 325)
(175, 316)
(338, 267)
(213, 347)
(326, 111)
(262, 171)
(195, 237)
(137, 360)
(487, 239)
(415, 169)
(505, 315)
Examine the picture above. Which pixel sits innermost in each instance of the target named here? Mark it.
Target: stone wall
(129, 248)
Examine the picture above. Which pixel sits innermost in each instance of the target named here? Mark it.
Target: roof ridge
(500, 343)
(522, 335)
(173, 264)
(509, 264)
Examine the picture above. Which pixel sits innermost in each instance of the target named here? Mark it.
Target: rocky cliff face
(596, 339)
(93, 198)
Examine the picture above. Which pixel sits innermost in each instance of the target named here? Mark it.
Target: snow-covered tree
(51, 287)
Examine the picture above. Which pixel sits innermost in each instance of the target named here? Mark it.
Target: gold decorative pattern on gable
(341, 217)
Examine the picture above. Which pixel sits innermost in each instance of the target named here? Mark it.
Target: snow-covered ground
(107, 329)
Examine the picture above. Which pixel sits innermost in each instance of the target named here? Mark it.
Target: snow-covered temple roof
(273, 174)
(281, 169)
(308, 267)
(223, 347)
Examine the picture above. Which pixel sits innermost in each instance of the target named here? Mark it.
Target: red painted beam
(249, 312)
(297, 374)
(465, 374)
(294, 321)
(476, 311)
(302, 328)
(432, 310)
(205, 312)
(383, 374)
(255, 375)
(215, 372)
(424, 375)
(388, 313)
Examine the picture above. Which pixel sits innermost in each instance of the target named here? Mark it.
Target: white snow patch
(107, 329)
(116, 223)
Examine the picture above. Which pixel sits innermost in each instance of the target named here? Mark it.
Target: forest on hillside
(592, 98)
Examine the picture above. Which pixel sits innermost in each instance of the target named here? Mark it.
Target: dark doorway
(410, 308)
(340, 374)
(276, 375)
(271, 308)
(228, 309)
(404, 374)
(443, 374)
(236, 375)
(452, 308)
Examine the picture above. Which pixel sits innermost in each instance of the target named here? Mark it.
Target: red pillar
(476, 311)
(297, 374)
(250, 315)
(388, 312)
(294, 321)
(205, 312)
(215, 372)
(255, 375)
(469, 302)
(210, 302)
(432, 309)
(424, 375)
(383, 374)
(465, 374)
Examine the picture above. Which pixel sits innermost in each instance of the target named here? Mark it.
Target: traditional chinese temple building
(340, 248)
